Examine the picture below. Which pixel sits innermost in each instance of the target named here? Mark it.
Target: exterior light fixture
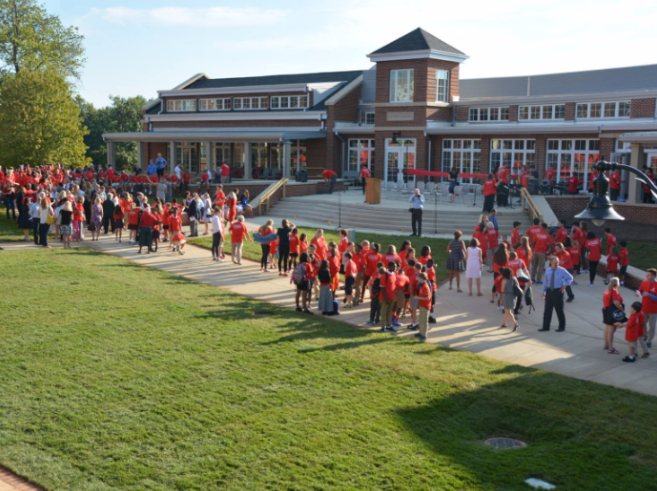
(394, 138)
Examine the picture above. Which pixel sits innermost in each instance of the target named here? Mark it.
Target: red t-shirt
(635, 327)
(489, 187)
(515, 237)
(343, 245)
(503, 174)
(148, 219)
(175, 223)
(564, 260)
(614, 180)
(328, 173)
(624, 257)
(320, 248)
(431, 276)
(542, 241)
(492, 238)
(294, 244)
(609, 296)
(423, 259)
(561, 235)
(371, 260)
(612, 264)
(522, 254)
(391, 258)
(531, 231)
(364, 172)
(423, 291)
(350, 269)
(225, 170)
(187, 176)
(574, 255)
(237, 232)
(611, 242)
(177, 237)
(550, 174)
(649, 305)
(593, 245)
(402, 282)
(515, 264)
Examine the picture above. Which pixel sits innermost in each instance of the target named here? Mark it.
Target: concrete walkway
(463, 322)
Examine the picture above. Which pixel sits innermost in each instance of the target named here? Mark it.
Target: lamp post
(600, 208)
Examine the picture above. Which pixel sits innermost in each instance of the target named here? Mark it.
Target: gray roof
(300, 78)
(155, 109)
(588, 82)
(417, 40)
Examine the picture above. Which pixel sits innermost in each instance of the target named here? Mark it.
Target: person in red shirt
(573, 184)
(364, 174)
(540, 245)
(423, 296)
(515, 235)
(350, 272)
(303, 287)
(225, 173)
(357, 258)
(147, 222)
(503, 174)
(611, 302)
(220, 198)
(387, 287)
(515, 264)
(178, 242)
(635, 332)
(614, 186)
(575, 250)
(489, 192)
(391, 255)
(593, 245)
(133, 222)
(611, 239)
(238, 232)
(623, 261)
(536, 227)
(562, 233)
(294, 247)
(492, 242)
(550, 175)
(372, 258)
(648, 294)
(320, 245)
(186, 179)
(431, 277)
(401, 292)
(613, 260)
(344, 242)
(327, 175)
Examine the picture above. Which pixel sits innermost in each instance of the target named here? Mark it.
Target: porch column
(287, 158)
(208, 156)
(140, 155)
(110, 153)
(247, 161)
(172, 156)
(634, 189)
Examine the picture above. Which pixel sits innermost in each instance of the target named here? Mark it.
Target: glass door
(187, 155)
(623, 158)
(400, 157)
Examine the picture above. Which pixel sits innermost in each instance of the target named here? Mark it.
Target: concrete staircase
(362, 216)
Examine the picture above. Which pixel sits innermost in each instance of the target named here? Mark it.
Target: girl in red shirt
(613, 260)
(320, 245)
(592, 246)
(294, 247)
(431, 276)
(350, 272)
(118, 217)
(425, 255)
(231, 202)
(624, 261)
(574, 251)
(79, 219)
(403, 251)
(357, 259)
(524, 252)
(133, 222)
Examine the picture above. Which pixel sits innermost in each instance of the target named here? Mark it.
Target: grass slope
(251, 250)
(116, 376)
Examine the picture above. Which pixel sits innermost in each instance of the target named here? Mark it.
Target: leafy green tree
(123, 115)
(33, 39)
(40, 121)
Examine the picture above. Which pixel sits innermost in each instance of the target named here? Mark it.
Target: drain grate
(505, 443)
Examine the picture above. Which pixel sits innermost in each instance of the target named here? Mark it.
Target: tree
(124, 114)
(40, 121)
(32, 39)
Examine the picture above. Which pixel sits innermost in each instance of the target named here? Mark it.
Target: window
(289, 102)
(514, 153)
(442, 86)
(555, 112)
(180, 105)
(214, 104)
(369, 118)
(298, 154)
(361, 152)
(465, 155)
(603, 110)
(489, 114)
(249, 103)
(577, 157)
(401, 85)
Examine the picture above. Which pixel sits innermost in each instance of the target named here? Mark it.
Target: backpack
(299, 273)
(529, 299)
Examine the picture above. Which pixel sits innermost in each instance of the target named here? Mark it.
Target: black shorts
(156, 234)
(133, 226)
(303, 286)
(166, 227)
(294, 255)
(349, 285)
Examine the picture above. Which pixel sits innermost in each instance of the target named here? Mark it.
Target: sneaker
(500, 308)
(629, 359)
(574, 282)
(383, 329)
(299, 309)
(645, 355)
(308, 312)
(533, 280)
(589, 284)
(649, 345)
(391, 329)
(606, 282)
(369, 323)
(417, 335)
(539, 282)
(422, 339)
(413, 327)
(432, 320)
(396, 324)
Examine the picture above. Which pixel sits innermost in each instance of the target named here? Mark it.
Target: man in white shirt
(178, 171)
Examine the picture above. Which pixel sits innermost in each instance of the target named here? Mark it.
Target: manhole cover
(505, 443)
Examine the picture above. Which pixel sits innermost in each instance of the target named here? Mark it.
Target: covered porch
(250, 154)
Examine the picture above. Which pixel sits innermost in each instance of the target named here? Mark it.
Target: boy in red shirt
(424, 303)
(350, 272)
(133, 222)
(574, 252)
(387, 284)
(401, 289)
(611, 240)
(294, 247)
(635, 332)
(612, 264)
(623, 260)
(238, 232)
(648, 293)
(431, 277)
(540, 245)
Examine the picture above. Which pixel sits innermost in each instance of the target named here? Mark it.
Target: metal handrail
(270, 192)
(529, 204)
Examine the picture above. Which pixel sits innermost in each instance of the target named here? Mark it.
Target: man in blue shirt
(493, 218)
(160, 164)
(554, 285)
(151, 168)
(417, 203)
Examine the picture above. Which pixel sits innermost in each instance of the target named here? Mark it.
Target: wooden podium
(373, 191)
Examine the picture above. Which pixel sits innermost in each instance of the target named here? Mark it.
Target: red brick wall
(346, 109)
(453, 69)
(439, 113)
(158, 125)
(607, 146)
(642, 108)
(570, 111)
(424, 78)
(315, 153)
(462, 114)
(513, 113)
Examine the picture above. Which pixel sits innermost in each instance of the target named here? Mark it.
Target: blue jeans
(11, 204)
(35, 229)
(44, 228)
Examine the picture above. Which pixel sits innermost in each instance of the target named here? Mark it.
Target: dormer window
(442, 86)
(401, 85)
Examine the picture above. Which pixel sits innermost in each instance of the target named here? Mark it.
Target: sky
(138, 47)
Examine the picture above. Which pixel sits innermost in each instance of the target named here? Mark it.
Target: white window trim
(513, 151)
(487, 110)
(542, 114)
(602, 110)
(250, 99)
(373, 117)
(171, 105)
(370, 149)
(393, 85)
(223, 104)
(446, 79)
(572, 152)
(301, 103)
(462, 150)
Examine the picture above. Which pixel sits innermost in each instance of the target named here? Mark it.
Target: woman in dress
(453, 182)
(509, 284)
(456, 251)
(231, 203)
(207, 212)
(96, 219)
(474, 265)
(24, 217)
(611, 302)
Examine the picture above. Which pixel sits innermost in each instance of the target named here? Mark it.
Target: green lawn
(116, 376)
(438, 246)
(9, 231)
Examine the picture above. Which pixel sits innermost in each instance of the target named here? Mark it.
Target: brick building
(409, 110)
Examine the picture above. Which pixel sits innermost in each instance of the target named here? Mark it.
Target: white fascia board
(240, 129)
(644, 137)
(235, 90)
(238, 116)
(415, 55)
(516, 128)
(190, 81)
(344, 91)
(560, 98)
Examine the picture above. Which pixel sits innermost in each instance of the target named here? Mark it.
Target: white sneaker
(622, 283)
(500, 308)
(590, 284)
